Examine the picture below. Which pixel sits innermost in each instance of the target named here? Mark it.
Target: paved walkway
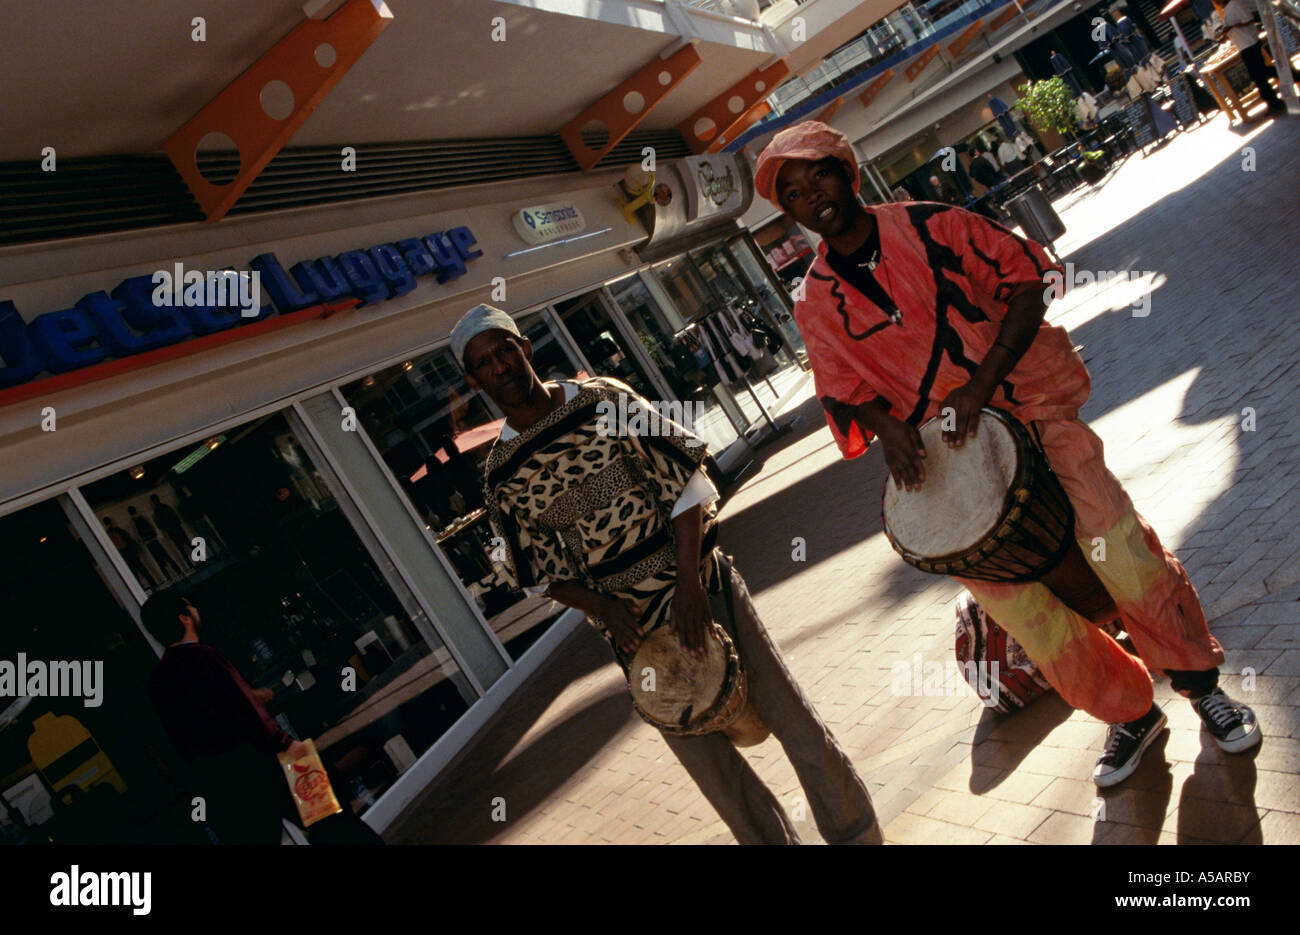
(573, 764)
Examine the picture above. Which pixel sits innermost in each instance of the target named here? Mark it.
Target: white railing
(905, 27)
(741, 9)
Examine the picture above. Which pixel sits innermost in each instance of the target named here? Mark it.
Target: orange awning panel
(310, 60)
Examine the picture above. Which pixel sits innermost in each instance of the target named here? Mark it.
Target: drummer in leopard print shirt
(913, 307)
(613, 515)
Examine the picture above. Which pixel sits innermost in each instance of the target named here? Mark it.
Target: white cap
(474, 322)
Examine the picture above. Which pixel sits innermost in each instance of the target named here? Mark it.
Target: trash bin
(1036, 217)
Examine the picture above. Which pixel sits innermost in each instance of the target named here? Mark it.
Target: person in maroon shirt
(219, 723)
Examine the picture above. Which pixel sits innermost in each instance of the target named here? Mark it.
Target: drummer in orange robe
(913, 307)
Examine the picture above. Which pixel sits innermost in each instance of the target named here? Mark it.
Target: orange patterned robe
(951, 274)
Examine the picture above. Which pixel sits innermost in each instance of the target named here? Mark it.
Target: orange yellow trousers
(1155, 599)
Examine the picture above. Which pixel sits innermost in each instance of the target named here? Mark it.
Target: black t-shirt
(856, 270)
(983, 172)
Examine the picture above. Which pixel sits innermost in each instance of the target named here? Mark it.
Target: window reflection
(678, 354)
(290, 596)
(69, 772)
(435, 432)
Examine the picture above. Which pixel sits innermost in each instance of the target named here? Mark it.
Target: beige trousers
(835, 794)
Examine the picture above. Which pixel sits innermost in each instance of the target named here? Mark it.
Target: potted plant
(1049, 106)
(1092, 169)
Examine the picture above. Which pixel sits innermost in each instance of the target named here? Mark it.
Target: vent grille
(118, 193)
(91, 196)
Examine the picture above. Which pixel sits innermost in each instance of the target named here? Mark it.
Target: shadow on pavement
(1140, 802)
(457, 808)
(1217, 802)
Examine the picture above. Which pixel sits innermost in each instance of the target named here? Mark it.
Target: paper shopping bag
(310, 786)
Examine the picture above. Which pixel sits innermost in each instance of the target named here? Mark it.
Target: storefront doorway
(773, 298)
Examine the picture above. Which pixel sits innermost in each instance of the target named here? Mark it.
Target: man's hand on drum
(904, 453)
(617, 617)
(960, 409)
(691, 616)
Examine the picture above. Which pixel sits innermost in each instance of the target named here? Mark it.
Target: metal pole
(874, 184)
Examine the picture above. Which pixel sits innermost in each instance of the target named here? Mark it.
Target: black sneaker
(1231, 723)
(1125, 744)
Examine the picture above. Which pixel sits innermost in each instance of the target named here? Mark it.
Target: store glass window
(552, 358)
(787, 251)
(712, 322)
(697, 303)
(751, 309)
(434, 432)
(290, 595)
(587, 319)
(773, 308)
(92, 764)
(675, 355)
(685, 287)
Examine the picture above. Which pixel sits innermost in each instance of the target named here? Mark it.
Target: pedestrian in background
(942, 191)
(1010, 157)
(220, 726)
(1243, 31)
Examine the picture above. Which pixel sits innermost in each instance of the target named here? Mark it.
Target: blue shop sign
(129, 321)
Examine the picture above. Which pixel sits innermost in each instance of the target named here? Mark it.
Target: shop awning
(465, 442)
(794, 259)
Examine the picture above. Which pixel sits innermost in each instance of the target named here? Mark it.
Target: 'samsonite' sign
(547, 222)
(127, 321)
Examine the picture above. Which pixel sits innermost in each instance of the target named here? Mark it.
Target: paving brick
(1058, 761)
(1019, 787)
(1144, 808)
(1068, 795)
(1280, 828)
(928, 800)
(1011, 819)
(1064, 828)
(1286, 664)
(960, 808)
(1281, 754)
(1220, 822)
(915, 829)
(1242, 637)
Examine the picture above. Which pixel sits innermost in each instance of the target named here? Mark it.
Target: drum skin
(990, 510)
(694, 696)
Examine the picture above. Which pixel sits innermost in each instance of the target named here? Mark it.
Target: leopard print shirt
(584, 494)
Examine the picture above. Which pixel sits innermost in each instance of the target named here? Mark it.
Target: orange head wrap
(812, 140)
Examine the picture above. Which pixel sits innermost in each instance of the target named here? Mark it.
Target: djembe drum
(993, 510)
(683, 695)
